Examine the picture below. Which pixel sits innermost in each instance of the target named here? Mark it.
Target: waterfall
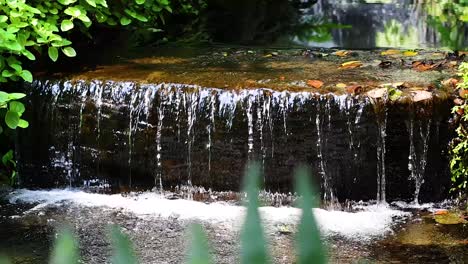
(113, 134)
(380, 109)
(328, 193)
(417, 159)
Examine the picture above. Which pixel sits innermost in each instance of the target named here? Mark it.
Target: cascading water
(181, 134)
(380, 109)
(417, 159)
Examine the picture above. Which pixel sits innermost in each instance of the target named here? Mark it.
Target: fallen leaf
(351, 64)
(315, 83)
(463, 93)
(410, 53)
(377, 93)
(441, 212)
(458, 101)
(341, 85)
(394, 85)
(390, 52)
(385, 64)
(354, 89)
(424, 66)
(421, 95)
(451, 82)
(282, 78)
(341, 53)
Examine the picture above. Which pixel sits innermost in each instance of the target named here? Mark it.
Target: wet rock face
(121, 136)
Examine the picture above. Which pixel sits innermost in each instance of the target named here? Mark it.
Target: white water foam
(373, 221)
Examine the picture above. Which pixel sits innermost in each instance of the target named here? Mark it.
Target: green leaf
(69, 51)
(140, 2)
(17, 107)
(7, 73)
(123, 252)
(65, 250)
(125, 21)
(4, 260)
(66, 25)
(199, 251)
(26, 75)
(7, 157)
(16, 67)
(84, 18)
(253, 244)
(15, 96)
(53, 53)
(1, 129)
(28, 54)
(72, 11)
(12, 119)
(91, 3)
(308, 243)
(23, 123)
(4, 97)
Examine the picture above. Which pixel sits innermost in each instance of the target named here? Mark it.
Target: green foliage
(253, 245)
(449, 17)
(65, 249)
(199, 252)
(459, 146)
(123, 252)
(28, 28)
(308, 241)
(11, 111)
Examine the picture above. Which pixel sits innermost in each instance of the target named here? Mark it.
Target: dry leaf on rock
(354, 89)
(341, 85)
(377, 93)
(390, 52)
(421, 95)
(341, 53)
(315, 83)
(351, 64)
(410, 53)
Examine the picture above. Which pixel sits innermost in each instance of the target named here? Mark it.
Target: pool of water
(371, 233)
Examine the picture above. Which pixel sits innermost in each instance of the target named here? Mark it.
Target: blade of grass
(253, 244)
(199, 251)
(122, 250)
(4, 260)
(308, 243)
(65, 250)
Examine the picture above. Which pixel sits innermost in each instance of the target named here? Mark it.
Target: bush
(459, 146)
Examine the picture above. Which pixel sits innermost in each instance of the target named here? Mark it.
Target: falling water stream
(182, 122)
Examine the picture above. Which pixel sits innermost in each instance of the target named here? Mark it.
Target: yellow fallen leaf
(351, 64)
(390, 52)
(341, 53)
(410, 53)
(341, 85)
